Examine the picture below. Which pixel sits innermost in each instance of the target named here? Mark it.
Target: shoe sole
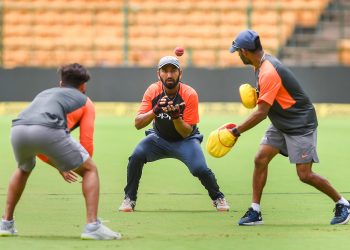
(343, 222)
(83, 237)
(126, 210)
(251, 223)
(223, 209)
(89, 237)
(6, 234)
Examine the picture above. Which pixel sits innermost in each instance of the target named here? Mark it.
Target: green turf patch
(173, 210)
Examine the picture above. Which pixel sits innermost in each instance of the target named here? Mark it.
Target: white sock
(90, 227)
(343, 201)
(256, 207)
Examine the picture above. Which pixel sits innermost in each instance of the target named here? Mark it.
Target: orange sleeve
(190, 115)
(85, 118)
(87, 127)
(272, 89)
(146, 104)
(269, 84)
(43, 158)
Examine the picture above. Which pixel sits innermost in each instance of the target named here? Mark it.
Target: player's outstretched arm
(255, 118)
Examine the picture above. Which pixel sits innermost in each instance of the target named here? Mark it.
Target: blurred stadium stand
(325, 41)
(48, 33)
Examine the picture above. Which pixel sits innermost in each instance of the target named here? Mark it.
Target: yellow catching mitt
(248, 95)
(221, 141)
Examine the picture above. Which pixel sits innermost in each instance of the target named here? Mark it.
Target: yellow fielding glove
(221, 140)
(248, 95)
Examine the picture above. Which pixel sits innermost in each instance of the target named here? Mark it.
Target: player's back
(50, 107)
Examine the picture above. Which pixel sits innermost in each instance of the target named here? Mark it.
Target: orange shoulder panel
(85, 118)
(271, 87)
(152, 91)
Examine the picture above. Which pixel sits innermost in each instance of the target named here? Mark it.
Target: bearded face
(244, 59)
(170, 76)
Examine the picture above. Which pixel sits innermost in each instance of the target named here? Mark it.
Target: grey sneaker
(127, 205)
(98, 231)
(221, 204)
(7, 228)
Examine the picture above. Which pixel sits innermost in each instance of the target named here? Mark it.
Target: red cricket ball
(179, 51)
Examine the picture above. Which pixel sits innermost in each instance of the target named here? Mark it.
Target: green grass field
(173, 209)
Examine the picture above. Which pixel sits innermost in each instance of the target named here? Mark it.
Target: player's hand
(175, 111)
(69, 176)
(233, 129)
(160, 105)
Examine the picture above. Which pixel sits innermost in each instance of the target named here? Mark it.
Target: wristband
(235, 132)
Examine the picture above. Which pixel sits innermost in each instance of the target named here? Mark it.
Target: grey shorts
(57, 144)
(299, 148)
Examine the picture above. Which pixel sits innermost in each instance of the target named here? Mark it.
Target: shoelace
(128, 202)
(249, 212)
(221, 201)
(7, 225)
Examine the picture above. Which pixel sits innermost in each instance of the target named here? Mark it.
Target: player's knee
(305, 173)
(87, 166)
(260, 161)
(198, 172)
(304, 176)
(139, 155)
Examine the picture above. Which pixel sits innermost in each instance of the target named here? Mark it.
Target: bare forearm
(182, 127)
(255, 118)
(251, 122)
(142, 120)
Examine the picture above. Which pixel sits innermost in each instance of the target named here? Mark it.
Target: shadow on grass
(176, 211)
(48, 237)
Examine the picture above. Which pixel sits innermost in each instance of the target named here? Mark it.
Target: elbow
(138, 124)
(185, 135)
(262, 116)
(138, 127)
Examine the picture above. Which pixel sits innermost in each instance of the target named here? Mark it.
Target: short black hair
(73, 74)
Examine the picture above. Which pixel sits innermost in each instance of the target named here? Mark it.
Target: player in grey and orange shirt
(292, 132)
(43, 128)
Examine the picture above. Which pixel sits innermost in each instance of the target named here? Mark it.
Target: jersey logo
(303, 156)
(164, 116)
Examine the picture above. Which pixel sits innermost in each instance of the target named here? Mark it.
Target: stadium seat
(344, 51)
(153, 27)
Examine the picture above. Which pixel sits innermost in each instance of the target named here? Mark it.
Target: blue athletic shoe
(341, 214)
(251, 218)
